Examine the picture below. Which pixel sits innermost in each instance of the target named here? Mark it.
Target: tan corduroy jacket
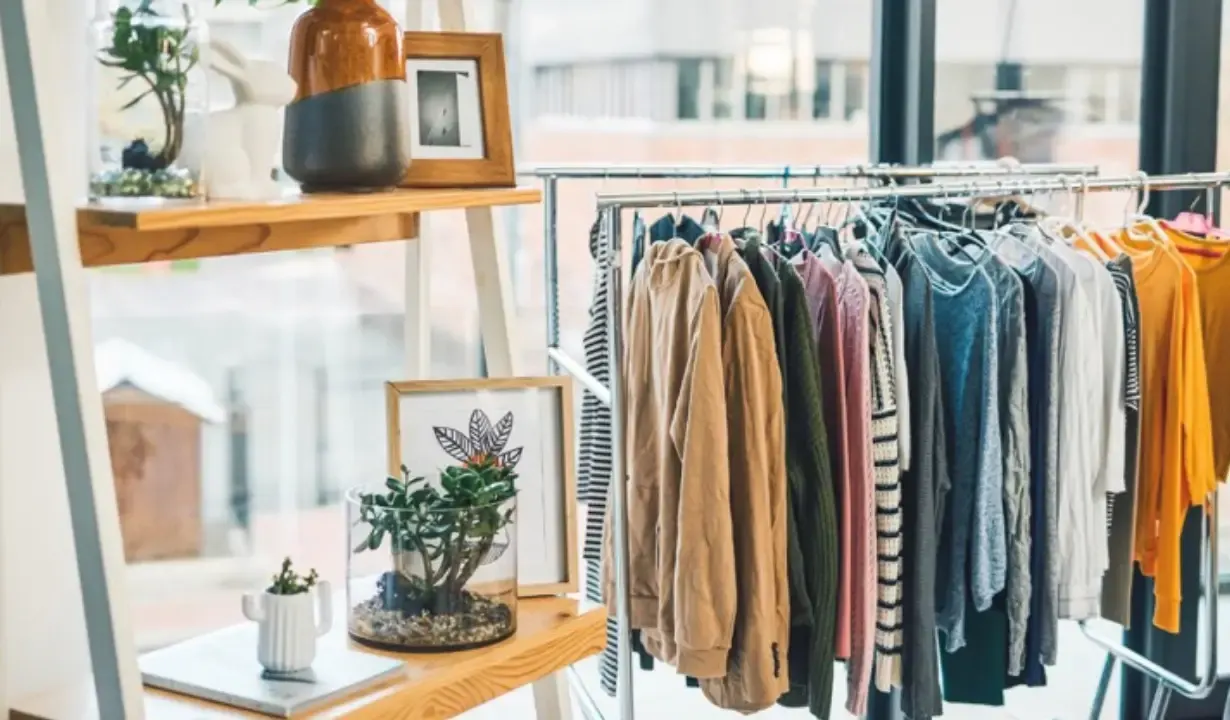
(705, 433)
(680, 542)
(757, 674)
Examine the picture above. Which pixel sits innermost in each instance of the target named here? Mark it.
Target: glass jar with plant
(151, 95)
(448, 578)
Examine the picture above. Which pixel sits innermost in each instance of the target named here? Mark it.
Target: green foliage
(451, 529)
(276, 3)
(160, 55)
(289, 582)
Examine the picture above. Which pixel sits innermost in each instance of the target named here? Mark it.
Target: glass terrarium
(150, 99)
(433, 563)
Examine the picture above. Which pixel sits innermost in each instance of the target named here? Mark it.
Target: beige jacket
(757, 674)
(680, 540)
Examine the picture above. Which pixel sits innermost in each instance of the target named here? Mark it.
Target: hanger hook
(747, 204)
(1144, 192)
(764, 208)
(678, 207)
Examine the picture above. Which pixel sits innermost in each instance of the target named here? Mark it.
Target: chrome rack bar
(802, 172)
(610, 206)
(574, 368)
(1011, 186)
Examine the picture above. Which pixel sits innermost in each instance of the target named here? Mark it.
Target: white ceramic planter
(288, 626)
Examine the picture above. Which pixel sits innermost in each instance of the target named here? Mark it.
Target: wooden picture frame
(461, 153)
(547, 552)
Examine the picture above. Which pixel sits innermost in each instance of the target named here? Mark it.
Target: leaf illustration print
(454, 443)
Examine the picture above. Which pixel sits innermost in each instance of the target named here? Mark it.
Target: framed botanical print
(524, 423)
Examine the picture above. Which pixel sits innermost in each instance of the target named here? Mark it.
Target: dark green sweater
(812, 519)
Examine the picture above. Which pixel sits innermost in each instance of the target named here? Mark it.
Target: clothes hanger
(1156, 232)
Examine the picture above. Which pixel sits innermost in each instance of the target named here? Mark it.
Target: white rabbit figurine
(244, 139)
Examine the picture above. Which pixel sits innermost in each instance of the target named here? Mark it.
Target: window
(856, 91)
(687, 98)
(822, 96)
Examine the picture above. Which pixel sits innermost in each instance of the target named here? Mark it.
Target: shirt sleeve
(1110, 479)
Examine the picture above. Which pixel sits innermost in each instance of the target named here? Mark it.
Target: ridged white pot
(288, 626)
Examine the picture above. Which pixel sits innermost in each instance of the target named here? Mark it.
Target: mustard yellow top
(1176, 452)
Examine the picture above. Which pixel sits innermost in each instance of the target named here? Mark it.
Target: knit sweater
(809, 466)
(853, 300)
(884, 431)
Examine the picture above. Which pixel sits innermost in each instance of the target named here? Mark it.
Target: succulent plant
(449, 531)
(289, 582)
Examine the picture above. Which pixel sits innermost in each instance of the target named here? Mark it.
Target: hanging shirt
(884, 449)
(811, 487)
(1084, 554)
(1211, 262)
(966, 307)
(820, 288)
(1176, 458)
(1014, 430)
(1042, 309)
(677, 458)
(924, 487)
(853, 299)
(901, 372)
(1117, 583)
(754, 674)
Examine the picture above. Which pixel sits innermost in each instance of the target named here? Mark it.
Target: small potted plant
(286, 613)
(448, 579)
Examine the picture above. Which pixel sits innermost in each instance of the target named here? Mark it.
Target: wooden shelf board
(121, 231)
(552, 634)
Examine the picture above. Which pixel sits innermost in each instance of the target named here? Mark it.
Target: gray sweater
(925, 486)
(972, 537)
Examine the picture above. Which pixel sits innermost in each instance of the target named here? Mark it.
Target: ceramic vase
(288, 626)
(347, 128)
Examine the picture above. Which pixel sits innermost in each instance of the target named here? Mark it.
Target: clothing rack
(611, 204)
(551, 174)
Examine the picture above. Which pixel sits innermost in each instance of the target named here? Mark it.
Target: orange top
(1176, 452)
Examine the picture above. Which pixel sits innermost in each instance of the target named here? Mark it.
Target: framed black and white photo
(460, 131)
(527, 424)
(447, 112)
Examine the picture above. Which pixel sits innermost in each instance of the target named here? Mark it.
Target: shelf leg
(63, 580)
(418, 300)
(551, 698)
(495, 311)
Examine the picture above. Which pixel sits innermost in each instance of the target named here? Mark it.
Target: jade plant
(289, 582)
(441, 534)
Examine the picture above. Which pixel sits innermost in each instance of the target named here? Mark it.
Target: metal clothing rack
(611, 204)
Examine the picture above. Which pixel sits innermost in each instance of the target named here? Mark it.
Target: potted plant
(148, 55)
(449, 579)
(286, 613)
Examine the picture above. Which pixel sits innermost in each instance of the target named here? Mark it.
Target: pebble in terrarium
(444, 575)
(149, 81)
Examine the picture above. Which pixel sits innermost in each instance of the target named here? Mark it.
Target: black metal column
(903, 81)
(1178, 133)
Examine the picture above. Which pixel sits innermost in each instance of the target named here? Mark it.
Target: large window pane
(1011, 79)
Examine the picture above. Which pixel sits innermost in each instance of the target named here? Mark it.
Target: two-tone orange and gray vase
(347, 127)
